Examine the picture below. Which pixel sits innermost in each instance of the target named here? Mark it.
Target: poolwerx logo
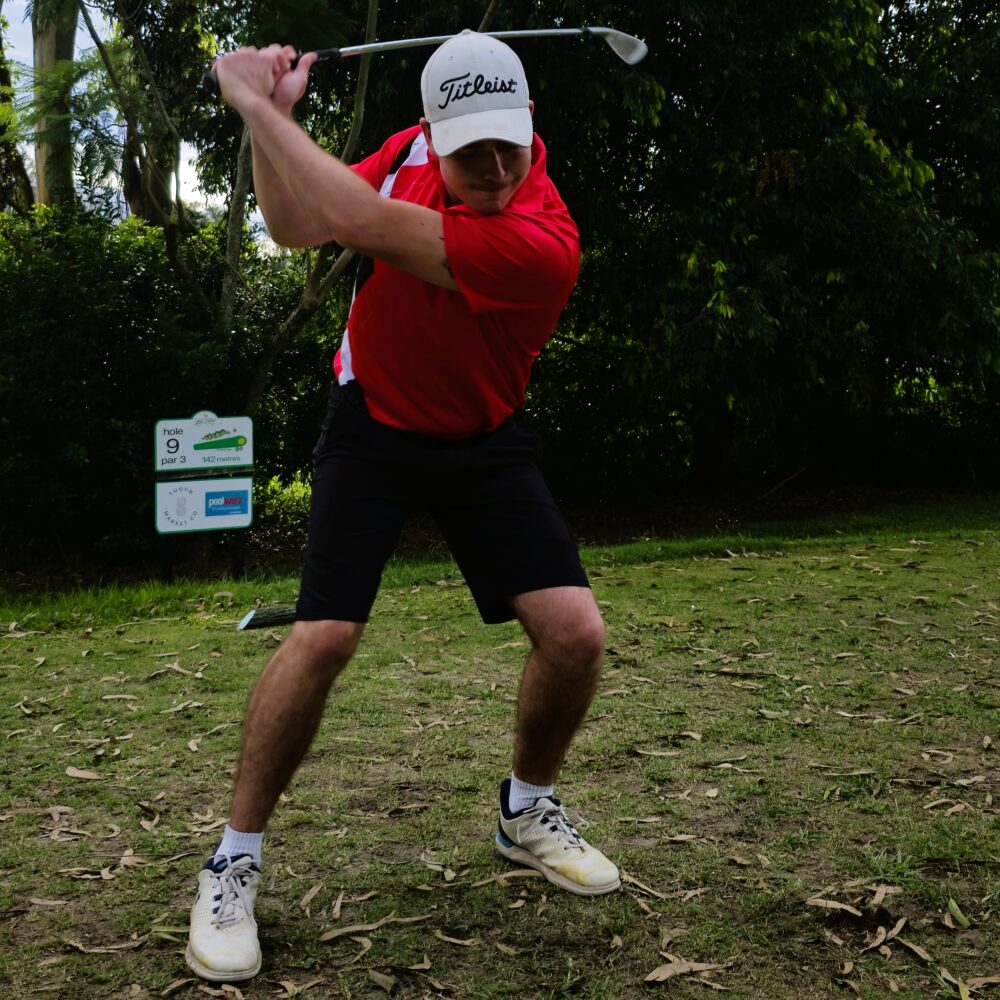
(226, 504)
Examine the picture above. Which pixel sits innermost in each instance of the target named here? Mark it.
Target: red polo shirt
(450, 364)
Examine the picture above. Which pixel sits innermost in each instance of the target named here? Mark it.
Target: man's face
(484, 175)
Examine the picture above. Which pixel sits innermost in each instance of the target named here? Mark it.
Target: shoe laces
(230, 899)
(550, 813)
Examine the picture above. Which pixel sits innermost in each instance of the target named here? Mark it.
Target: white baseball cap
(473, 88)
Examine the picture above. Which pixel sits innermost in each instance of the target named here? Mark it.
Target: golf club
(267, 618)
(629, 49)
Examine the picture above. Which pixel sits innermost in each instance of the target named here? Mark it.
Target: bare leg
(560, 676)
(284, 713)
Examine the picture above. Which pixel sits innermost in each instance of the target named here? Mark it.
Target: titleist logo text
(460, 87)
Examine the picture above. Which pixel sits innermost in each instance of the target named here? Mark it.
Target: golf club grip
(267, 618)
(210, 82)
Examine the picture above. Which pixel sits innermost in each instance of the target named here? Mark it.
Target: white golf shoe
(222, 941)
(542, 837)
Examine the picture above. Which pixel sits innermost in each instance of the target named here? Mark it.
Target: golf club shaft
(413, 43)
(637, 48)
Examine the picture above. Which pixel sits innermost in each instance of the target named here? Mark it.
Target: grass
(792, 718)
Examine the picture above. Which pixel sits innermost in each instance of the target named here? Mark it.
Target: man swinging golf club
(468, 257)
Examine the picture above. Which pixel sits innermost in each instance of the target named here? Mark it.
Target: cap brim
(506, 125)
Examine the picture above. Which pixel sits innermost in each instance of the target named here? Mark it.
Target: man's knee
(325, 646)
(566, 627)
(581, 644)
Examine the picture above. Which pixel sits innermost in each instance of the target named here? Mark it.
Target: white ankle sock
(523, 796)
(236, 842)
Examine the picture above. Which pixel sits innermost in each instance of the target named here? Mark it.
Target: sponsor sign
(228, 503)
(203, 505)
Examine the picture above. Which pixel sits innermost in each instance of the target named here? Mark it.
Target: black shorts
(486, 494)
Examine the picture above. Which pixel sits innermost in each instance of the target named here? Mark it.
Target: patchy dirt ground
(792, 756)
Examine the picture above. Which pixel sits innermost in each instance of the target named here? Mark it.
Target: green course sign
(203, 442)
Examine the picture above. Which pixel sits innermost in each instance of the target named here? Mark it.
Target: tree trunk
(147, 175)
(15, 185)
(53, 29)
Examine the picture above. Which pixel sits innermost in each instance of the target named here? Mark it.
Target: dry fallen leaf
(680, 967)
(978, 981)
(105, 874)
(75, 772)
(916, 949)
(832, 904)
(291, 990)
(877, 941)
(466, 943)
(963, 988)
(309, 897)
(899, 925)
(177, 984)
(881, 891)
(388, 983)
(625, 877)
(359, 928)
(366, 946)
(671, 935)
(111, 949)
(686, 895)
(938, 802)
(501, 877)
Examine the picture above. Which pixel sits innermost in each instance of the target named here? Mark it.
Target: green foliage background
(101, 341)
(790, 217)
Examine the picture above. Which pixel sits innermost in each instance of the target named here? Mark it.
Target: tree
(15, 185)
(789, 217)
(53, 27)
(769, 247)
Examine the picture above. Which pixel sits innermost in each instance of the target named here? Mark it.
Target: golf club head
(628, 48)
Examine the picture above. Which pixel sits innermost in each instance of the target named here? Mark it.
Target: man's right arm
(287, 222)
(347, 209)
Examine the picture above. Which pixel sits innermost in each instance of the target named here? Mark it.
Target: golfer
(468, 255)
